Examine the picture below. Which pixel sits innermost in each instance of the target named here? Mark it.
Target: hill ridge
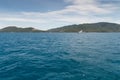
(86, 27)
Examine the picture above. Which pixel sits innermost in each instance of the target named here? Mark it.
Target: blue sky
(46, 14)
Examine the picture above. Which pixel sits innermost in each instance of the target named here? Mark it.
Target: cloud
(81, 7)
(78, 11)
(85, 6)
(21, 20)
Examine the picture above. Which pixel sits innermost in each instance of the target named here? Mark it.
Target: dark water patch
(113, 61)
(118, 53)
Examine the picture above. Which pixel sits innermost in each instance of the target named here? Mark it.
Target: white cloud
(78, 10)
(22, 20)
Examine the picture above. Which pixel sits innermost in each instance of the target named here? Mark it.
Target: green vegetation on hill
(94, 27)
(16, 29)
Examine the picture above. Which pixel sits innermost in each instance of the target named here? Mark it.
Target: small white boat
(80, 31)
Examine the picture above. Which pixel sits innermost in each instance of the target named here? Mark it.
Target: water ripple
(60, 56)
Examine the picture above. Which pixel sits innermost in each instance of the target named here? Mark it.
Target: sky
(47, 14)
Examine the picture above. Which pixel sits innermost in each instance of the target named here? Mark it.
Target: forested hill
(93, 27)
(17, 29)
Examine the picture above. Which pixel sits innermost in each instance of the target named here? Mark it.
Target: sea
(59, 56)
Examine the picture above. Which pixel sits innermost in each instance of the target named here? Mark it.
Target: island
(19, 29)
(87, 27)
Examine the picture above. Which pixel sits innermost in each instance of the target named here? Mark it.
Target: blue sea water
(59, 56)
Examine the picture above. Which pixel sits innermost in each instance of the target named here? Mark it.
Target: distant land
(91, 27)
(17, 29)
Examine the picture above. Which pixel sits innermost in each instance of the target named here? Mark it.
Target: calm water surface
(59, 56)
